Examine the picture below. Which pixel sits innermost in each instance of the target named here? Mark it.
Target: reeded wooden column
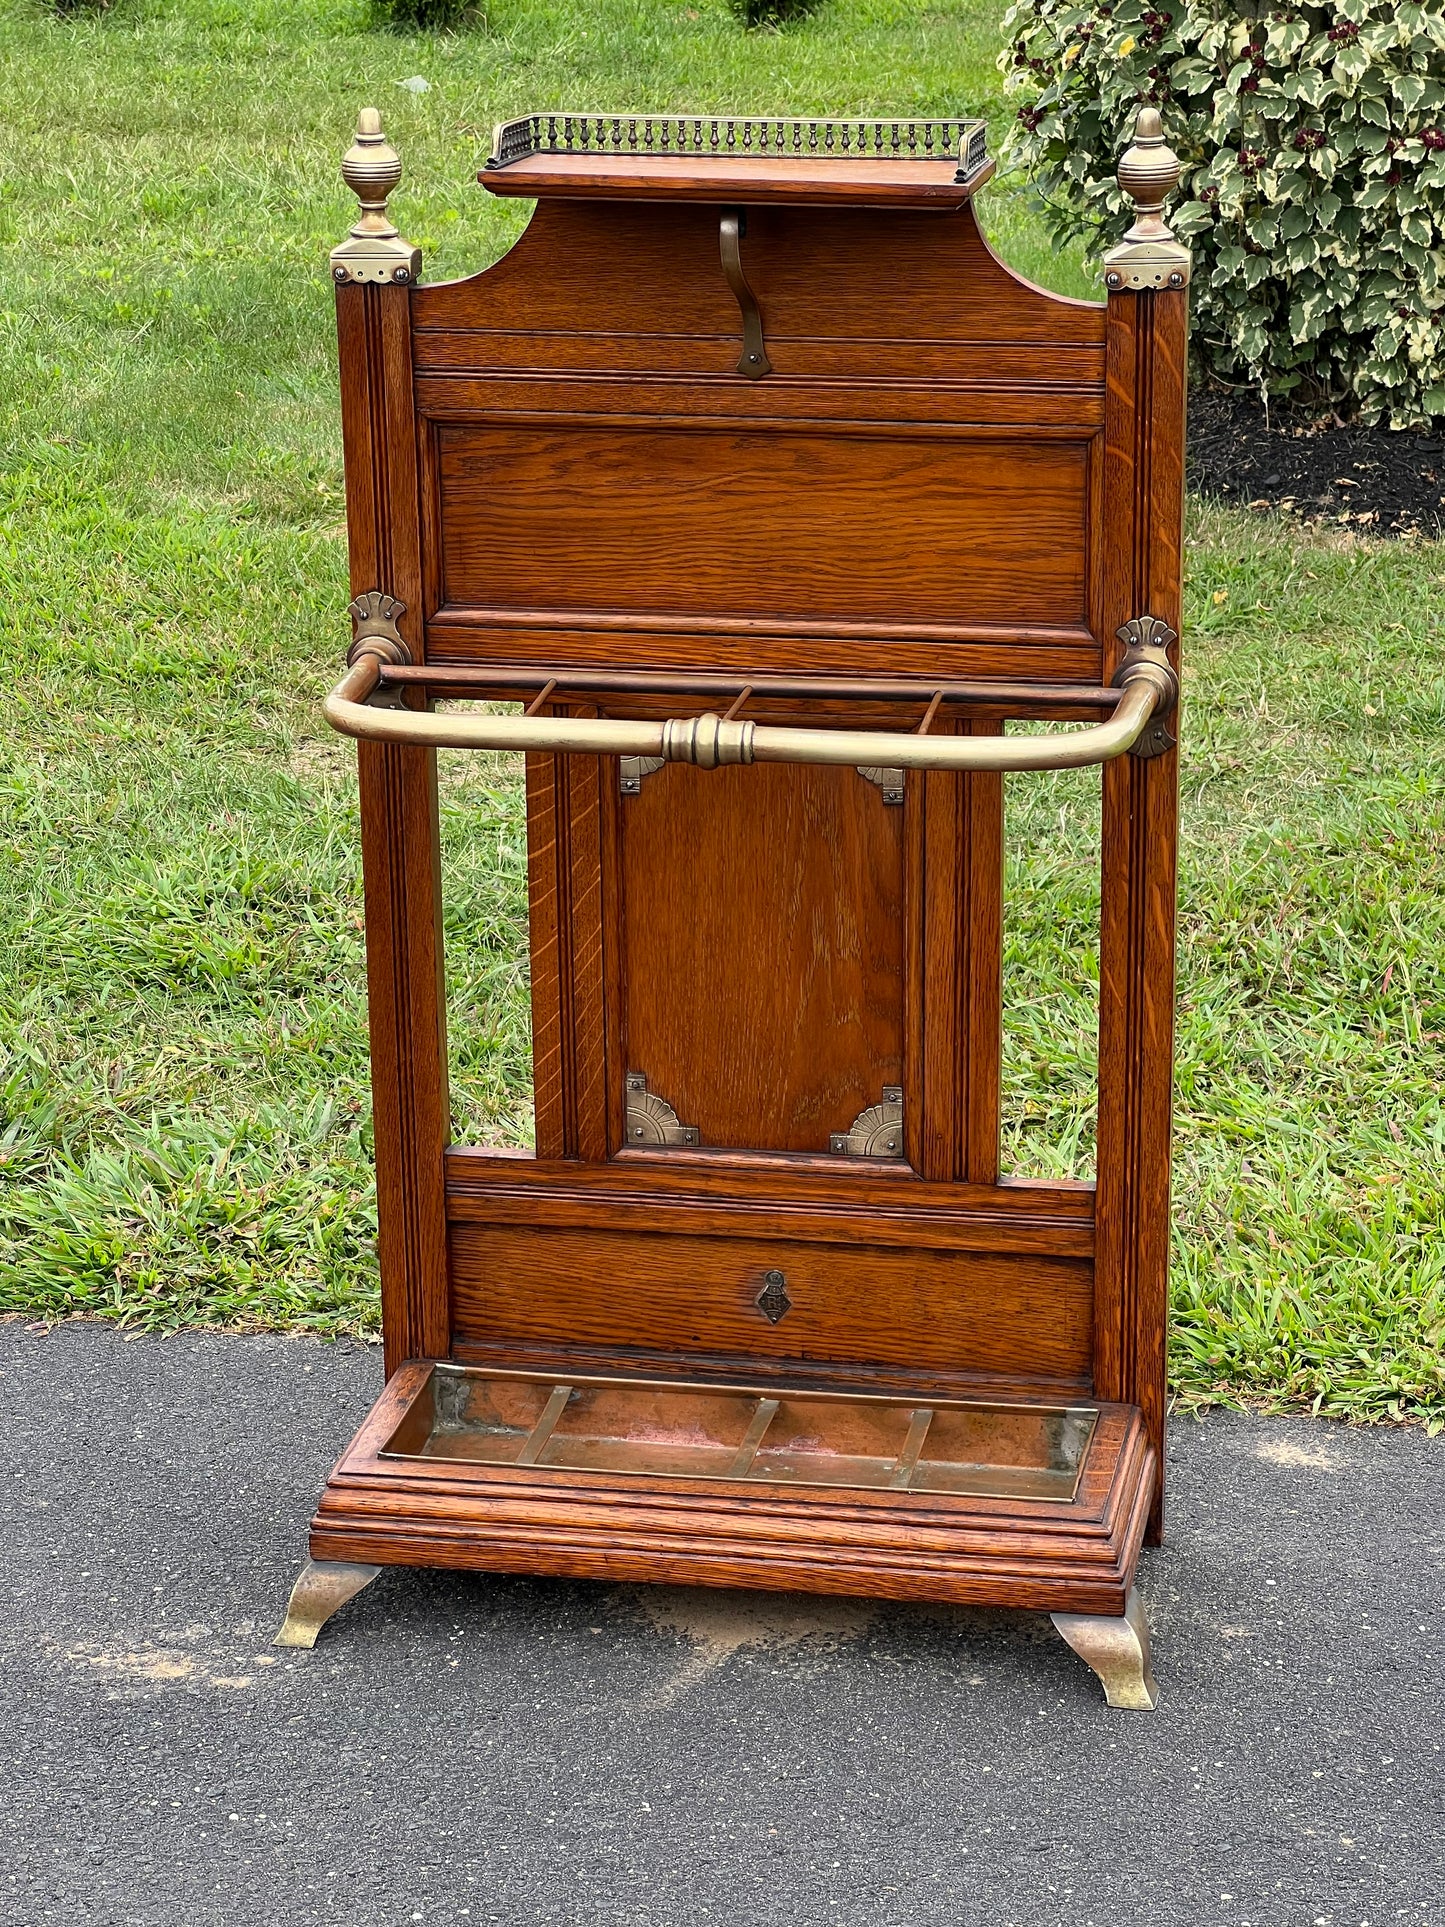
(1146, 372)
(401, 859)
(955, 987)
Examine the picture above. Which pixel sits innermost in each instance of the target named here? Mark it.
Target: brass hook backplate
(1147, 641)
(375, 616)
(753, 362)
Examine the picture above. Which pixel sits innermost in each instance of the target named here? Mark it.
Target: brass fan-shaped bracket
(631, 770)
(376, 615)
(651, 1120)
(888, 780)
(876, 1132)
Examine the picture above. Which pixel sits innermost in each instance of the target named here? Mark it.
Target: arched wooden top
(831, 282)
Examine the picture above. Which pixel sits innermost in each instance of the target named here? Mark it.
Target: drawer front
(934, 1312)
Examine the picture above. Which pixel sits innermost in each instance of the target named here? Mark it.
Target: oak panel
(758, 180)
(1143, 569)
(399, 843)
(762, 949)
(936, 380)
(775, 1196)
(755, 523)
(831, 388)
(1067, 653)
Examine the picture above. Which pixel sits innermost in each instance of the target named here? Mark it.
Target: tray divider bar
(542, 1431)
(763, 1415)
(907, 1464)
(455, 679)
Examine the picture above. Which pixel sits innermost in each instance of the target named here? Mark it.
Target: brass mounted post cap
(375, 251)
(1149, 257)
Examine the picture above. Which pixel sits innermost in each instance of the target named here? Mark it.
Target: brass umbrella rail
(1144, 691)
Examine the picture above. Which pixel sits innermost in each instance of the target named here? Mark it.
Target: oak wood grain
(963, 1311)
(634, 519)
(952, 410)
(802, 524)
(938, 380)
(823, 1197)
(762, 946)
(565, 906)
(886, 650)
(960, 968)
(399, 838)
(758, 180)
(572, 1356)
(654, 272)
(1144, 456)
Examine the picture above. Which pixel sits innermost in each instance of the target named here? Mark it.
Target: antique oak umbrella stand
(772, 497)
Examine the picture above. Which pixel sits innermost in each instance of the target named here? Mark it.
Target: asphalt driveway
(475, 1750)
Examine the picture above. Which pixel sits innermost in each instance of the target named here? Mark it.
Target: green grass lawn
(183, 1080)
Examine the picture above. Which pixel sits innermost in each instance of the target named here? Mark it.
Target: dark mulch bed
(1375, 480)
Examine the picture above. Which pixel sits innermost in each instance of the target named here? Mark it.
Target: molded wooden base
(1070, 1557)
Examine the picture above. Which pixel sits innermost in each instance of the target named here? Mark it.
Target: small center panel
(762, 937)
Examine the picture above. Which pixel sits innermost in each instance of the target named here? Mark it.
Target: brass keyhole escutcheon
(773, 1300)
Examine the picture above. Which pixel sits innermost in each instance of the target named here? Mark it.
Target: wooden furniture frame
(750, 453)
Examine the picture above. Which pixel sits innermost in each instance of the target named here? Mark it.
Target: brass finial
(1149, 174)
(375, 252)
(1149, 256)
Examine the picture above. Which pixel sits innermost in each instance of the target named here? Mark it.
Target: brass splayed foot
(1117, 1650)
(323, 1588)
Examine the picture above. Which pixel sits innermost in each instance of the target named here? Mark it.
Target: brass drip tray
(663, 1429)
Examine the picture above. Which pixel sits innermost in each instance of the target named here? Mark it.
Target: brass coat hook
(753, 362)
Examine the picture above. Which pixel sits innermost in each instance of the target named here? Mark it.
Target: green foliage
(1313, 192)
(427, 16)
(773, 13)
(184, 1102)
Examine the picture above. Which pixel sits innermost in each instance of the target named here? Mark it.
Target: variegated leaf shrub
(1313, 194)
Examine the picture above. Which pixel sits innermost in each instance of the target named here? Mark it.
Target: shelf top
(700, 157)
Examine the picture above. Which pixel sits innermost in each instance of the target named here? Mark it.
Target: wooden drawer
(854, 1308)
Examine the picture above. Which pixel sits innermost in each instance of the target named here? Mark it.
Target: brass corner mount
(374, 252)
(1148, 258)
(886, 778)
(651, 1120)
(876, 1132)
